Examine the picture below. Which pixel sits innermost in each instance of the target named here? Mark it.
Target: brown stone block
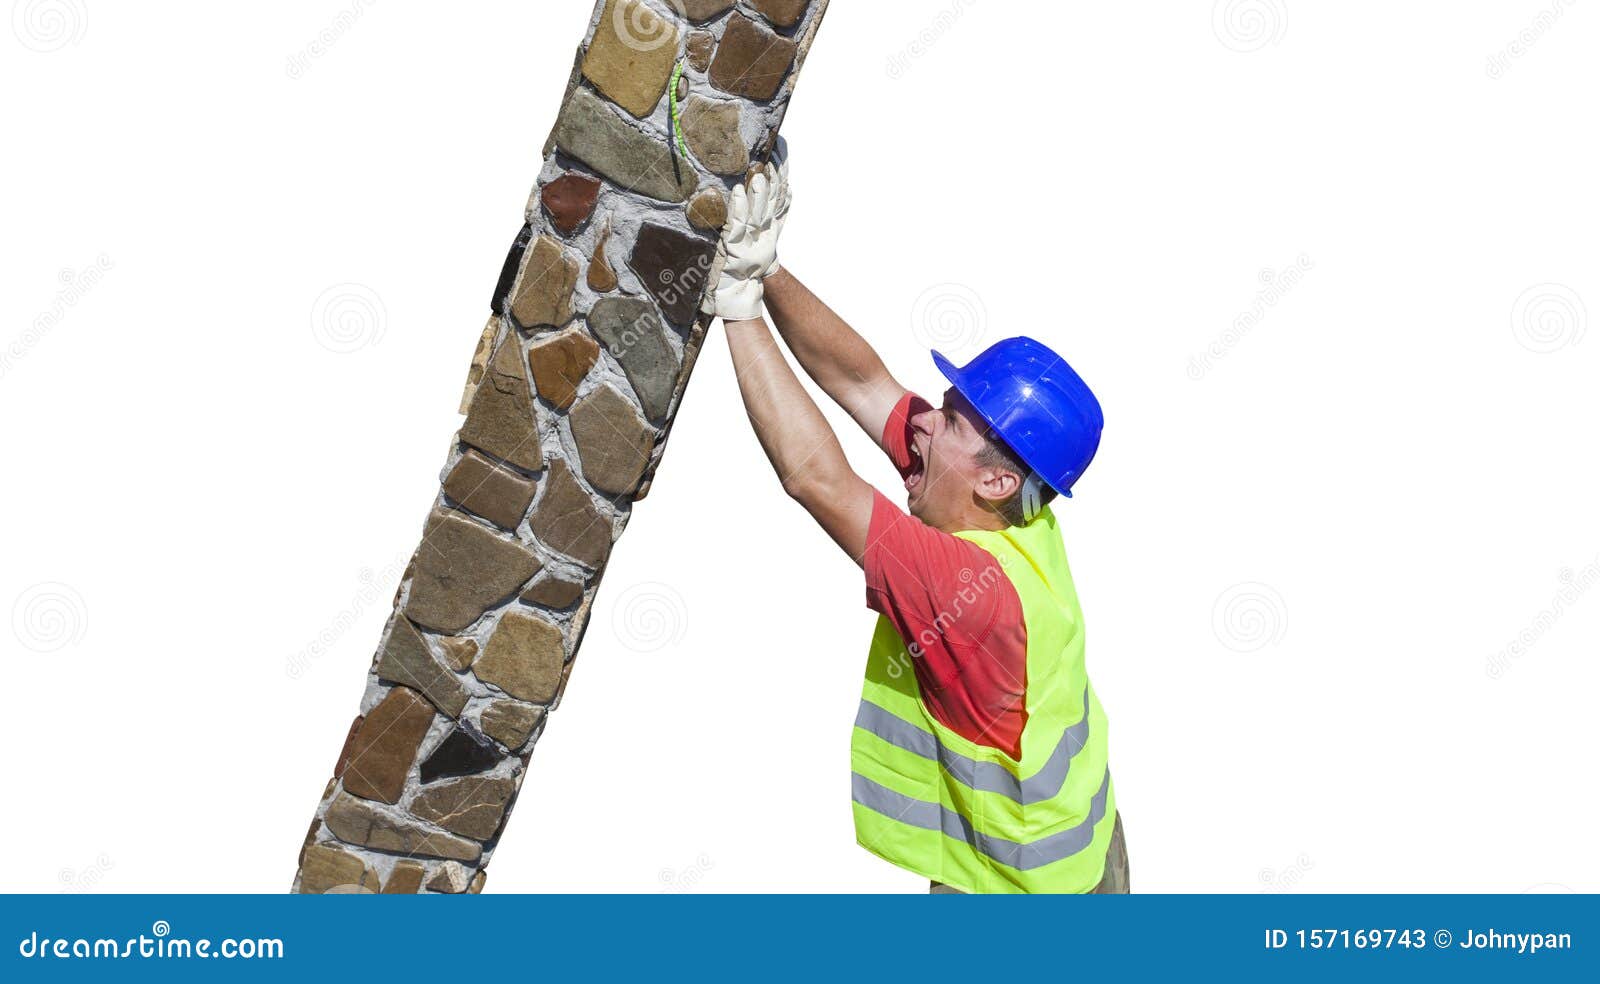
(406, 660)
(327, 869)
(543, 295)
(784, 13)
(602, 279)
(511, 723)
(702, 45)
(523, 658)
(614, 442)
(462, 569)
(711, 129)
(406, 879)
(570, 200)
(700, 10)
(751, 61)
(590, 130)
(675, 268)
(459, 653)
(386, 745)
(471, 807)
(503, 419)
(365, 825)
(490, 490)
(559, 365)
(554, 592)
(631, 55)
(566, 519)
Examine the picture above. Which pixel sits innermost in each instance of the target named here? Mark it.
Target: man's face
(944, 446)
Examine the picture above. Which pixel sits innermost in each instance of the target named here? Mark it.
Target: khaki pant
(1113, 882)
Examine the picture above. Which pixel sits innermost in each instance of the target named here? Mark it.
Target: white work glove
(748, 253)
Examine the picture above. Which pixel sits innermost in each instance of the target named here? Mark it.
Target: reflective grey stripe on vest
(985, 777)
(936, 816)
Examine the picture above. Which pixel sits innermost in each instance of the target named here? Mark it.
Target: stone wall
(593, 334)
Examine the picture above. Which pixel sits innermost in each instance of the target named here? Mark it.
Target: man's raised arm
(797, 439)
(832, 353)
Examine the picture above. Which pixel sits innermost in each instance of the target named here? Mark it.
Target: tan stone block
(523, 658)
(386, 746)
(366, 825)
(543, 295)
(328, 869)
(631, 56)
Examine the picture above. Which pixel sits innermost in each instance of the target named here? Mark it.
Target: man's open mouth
(918, 471)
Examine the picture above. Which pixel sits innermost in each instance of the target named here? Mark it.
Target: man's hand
(748, 253)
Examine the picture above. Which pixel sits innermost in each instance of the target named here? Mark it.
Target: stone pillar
(593, 333)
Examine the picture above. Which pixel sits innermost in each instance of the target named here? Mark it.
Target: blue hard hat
(1036, 404)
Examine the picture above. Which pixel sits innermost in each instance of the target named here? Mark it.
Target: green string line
(677, 120)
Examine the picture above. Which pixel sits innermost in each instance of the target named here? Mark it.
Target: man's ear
(998, 484)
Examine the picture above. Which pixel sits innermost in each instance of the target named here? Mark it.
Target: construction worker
(979, 752)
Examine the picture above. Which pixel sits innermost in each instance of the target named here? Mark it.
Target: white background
(1303, 561)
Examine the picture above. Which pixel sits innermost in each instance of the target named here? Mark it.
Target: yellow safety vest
(970, 816)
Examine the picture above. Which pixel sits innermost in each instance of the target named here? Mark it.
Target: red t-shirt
(955, 609)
